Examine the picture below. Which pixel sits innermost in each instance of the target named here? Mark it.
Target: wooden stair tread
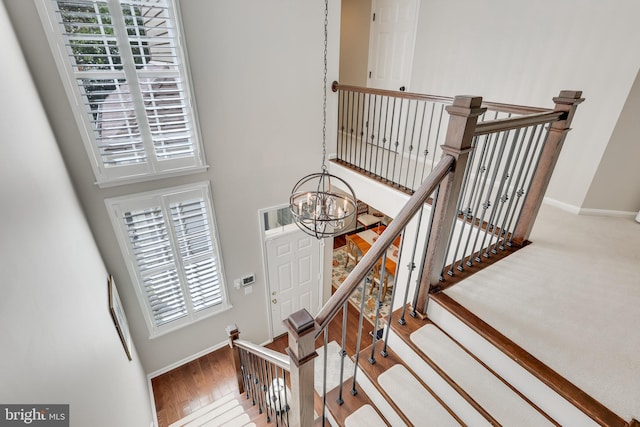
(587, 404)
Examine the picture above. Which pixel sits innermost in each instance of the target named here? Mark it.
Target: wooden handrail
(393, 230)
(335, 86)
(483, 128)
(493, 106)
(271, 356)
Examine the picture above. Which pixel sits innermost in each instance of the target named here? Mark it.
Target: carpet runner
(484, 387)
(417, 404)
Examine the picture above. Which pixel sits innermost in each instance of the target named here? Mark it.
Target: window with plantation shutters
(170, 245)
(124, 71)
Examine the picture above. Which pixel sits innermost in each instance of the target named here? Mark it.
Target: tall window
(170, 245)
(125, 73)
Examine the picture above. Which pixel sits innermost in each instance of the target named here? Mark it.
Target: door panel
(293, 269)
(391, 43)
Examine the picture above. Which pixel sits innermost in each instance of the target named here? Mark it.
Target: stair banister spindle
(464, 114)
(566, 102)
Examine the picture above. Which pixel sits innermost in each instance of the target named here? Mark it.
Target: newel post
(566, 102)
(301, 350)
(234, 334)
(463, 114)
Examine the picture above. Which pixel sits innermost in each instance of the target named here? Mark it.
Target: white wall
(615, 186)
(257, 73)
(525, 53)
(59, 344)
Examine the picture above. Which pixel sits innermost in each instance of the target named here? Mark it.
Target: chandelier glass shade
(320, 209)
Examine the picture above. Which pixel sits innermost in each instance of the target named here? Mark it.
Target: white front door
(391, 43)
(293, 269)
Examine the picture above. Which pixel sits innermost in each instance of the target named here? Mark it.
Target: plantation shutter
(195, 245)
(151, 247)
(127, 73)
(173, 254)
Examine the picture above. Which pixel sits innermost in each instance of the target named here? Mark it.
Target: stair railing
(482, 165)
(262, 375)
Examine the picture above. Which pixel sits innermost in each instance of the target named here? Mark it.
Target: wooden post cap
(467, 101)
(301, 321)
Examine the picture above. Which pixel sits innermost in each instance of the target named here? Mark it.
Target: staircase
(442, 365)
(441, 371)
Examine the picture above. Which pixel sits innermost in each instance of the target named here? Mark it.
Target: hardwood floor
(189, 387)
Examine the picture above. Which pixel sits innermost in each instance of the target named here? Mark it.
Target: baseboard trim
(186, 360)
(605, 212)
(562, 205)
(576, 210)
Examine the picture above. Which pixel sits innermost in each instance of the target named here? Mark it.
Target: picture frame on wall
(119, 319)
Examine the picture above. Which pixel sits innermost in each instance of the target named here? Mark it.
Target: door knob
(275, 301)
(402, 88)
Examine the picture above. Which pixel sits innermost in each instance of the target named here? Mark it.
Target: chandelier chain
(324, 96)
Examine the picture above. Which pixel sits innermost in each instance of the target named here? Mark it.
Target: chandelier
(320, 208)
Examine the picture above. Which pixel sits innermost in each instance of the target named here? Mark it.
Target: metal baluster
(426, 150)
(468, 212)
(366, 134)
(465, 181)
(272, 380)
(487, 204)
(435, 141)
(265, 387)
(362, 133)
(411, 266)
(506, 196)
(498, 197)
(373, 128)
(383, 271)
(285, 412)
(256, 380)
(381, 134)
(516, 192)
(343, 352)
(341, 110)
(528, 178)
(357, 133)
(384, 140)
(393, 296)
(250, 378)
(395, 153)
(414, 303)
(324, 374)
(476, 210)
(413, 132)
(350, 129)
(404, 141)
(243, 369)
(415, 170)
(354, 390)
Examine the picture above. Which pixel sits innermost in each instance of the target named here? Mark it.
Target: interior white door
(391, 43)
(293, 266)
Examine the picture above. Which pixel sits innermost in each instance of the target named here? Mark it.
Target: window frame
(152, 168)
(117, 206)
